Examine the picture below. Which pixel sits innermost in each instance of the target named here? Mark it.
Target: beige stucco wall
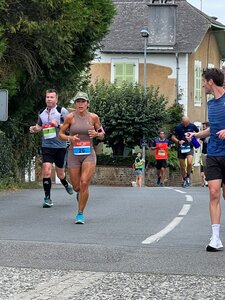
(158, 77)
(207, 53)
(100, 71)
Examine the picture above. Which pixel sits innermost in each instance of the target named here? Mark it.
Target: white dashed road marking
(156, 237)
(189, 198)
(179, 191)
(185, 209)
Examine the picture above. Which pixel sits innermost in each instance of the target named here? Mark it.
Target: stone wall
(122, 176)
(117, 176)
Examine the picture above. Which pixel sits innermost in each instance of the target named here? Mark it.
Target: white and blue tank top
(45, 117)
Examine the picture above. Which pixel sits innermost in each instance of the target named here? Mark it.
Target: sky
(213, 8)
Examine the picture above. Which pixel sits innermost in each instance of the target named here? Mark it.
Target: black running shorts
(215, 168)
(161, 163)
(184, 155)
(54, 155)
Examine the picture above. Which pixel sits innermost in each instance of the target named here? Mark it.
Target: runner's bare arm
(64, 127)
(201, 134)
(99, 129)
(34, 129)
(175, 139)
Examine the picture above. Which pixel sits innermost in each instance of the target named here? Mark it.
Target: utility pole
(145, 35)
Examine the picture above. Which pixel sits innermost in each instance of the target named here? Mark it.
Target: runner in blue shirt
(213, 80)
(185, 148)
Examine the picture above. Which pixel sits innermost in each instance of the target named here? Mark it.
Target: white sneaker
(214, 245)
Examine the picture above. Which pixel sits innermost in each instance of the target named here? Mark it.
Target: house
(182, 41)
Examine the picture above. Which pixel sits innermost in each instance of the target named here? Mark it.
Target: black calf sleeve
(47, 184)
(64, 182)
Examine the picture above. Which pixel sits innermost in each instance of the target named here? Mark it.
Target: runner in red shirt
(161, 145)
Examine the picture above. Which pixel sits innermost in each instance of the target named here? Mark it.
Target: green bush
(123, 161)
(7, 161)
(173, 161)
(150, 159)
(127, 161)
(116, 161)
(127, 114)
(15, 157)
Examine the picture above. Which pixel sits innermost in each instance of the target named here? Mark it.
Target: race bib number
(82, 148)
(49, 132)
(161, 153)
(185, 149)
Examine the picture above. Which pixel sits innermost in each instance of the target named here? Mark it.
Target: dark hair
(215, 74)
(206, 124)
(51, 91)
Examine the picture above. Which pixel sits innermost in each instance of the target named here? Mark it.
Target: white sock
(216, 230)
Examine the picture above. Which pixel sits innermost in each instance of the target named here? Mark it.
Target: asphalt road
(146, 243)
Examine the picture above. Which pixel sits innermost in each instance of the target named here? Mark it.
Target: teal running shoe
(47, 203)
(184, 184)
(188, 182)
(69, 189)
(79, 218)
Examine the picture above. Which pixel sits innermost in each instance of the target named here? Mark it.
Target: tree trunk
(118, 149)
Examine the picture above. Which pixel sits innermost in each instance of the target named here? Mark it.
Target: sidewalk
(34, 284)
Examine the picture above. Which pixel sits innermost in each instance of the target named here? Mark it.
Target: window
(198, 84)
(210, 66)
(124, 72)
(209, 96)
(162, 25)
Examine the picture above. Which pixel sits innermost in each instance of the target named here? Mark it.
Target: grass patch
(6, 185)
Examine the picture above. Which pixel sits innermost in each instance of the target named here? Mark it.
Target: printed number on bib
(82, 148)
(49, 131)
(185, 149)
(161, 152)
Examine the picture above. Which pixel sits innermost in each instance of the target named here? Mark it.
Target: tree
(174, 115)
(127, 115)
(45, 44)
(52, 41)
